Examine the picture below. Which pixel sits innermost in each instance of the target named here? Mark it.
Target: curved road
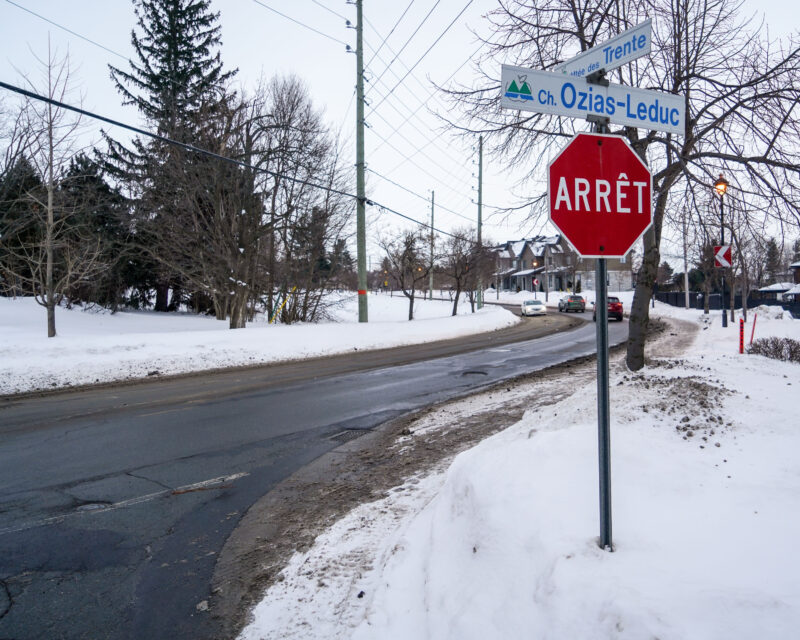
(115, 502)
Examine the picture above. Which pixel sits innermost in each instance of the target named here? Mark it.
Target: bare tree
(407, 263)
(740, 91)
(459, 256)
(466, 263)
(47, 249)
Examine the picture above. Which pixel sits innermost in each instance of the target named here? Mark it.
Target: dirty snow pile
(706, 517)
(95, 346)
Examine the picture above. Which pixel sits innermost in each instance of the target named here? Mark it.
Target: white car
(533, 308)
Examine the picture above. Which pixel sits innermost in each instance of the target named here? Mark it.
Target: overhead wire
(329, 10)
(420, 196)
(63, 28)
(409, 40)
(194, 149)
(302, 24)
(432, 92)
(444, 184)
(395, 129)
(387, 36)
(428, 50)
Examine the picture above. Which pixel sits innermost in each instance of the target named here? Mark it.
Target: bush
(777, 348)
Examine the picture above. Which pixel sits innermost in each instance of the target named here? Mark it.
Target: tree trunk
(410, 305)
(455, 302)
(49, 231)
(238, 311)
(220, 306)
(49, 293)
(162, 296)
(640, 308)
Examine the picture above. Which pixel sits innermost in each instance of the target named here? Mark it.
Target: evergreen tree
(19, 187)
(104, 210)
(177, 75)
(664, 273)
(796, 251)
(773, 267)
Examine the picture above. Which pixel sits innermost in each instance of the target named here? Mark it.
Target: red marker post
(741, 335)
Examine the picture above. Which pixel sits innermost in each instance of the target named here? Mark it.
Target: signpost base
(603, 411)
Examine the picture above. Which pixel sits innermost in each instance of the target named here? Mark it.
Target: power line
(409, 40)
(418, 150)
(328, 9)
(63, 28)
(395, 128)
(456, 191)
(205, 152)
(421, 197)
(302, 24)
(383, 42)
(432, 93)
(435, 42)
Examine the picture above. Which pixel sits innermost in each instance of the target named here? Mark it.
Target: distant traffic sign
(613, 53)
(563, 95)
(600, 195)
(723, 256)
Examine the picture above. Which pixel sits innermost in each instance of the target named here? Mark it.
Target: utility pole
(361, 232)
(480, 215)
(685, 263)
(430, 281)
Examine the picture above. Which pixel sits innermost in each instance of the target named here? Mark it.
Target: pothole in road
(475, 373)
(93, 506)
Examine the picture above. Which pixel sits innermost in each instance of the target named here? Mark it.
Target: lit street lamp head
(721, 186)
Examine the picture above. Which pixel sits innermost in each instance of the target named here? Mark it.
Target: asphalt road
(115, 502)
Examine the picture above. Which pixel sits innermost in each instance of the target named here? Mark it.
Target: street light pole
(721, 186)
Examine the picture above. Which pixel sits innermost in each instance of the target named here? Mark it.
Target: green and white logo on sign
(519, 91)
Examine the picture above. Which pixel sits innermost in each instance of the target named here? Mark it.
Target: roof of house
(518, 246)
(795, 265)
(795, 290)
(778, 286)
(527, 272)
(537, 245)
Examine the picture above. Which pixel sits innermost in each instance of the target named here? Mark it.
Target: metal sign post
(603, 404)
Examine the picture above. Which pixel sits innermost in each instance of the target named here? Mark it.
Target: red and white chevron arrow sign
(722, 256)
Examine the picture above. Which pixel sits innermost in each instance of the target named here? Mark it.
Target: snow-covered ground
(94, 346)
(503, 544)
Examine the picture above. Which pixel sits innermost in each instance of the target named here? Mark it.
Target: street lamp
(721, 186)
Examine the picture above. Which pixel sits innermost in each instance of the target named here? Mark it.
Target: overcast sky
(412, 151)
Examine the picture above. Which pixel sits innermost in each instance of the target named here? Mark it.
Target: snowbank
(97, 346)
(706, 497)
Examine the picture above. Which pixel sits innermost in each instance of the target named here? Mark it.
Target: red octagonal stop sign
(600, 195)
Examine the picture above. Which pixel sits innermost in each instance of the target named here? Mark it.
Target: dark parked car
(572, 303)
(614, 309)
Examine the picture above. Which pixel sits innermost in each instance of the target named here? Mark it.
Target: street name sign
(600, 195)
(562, 95)
(621, 49)
(723, 257)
